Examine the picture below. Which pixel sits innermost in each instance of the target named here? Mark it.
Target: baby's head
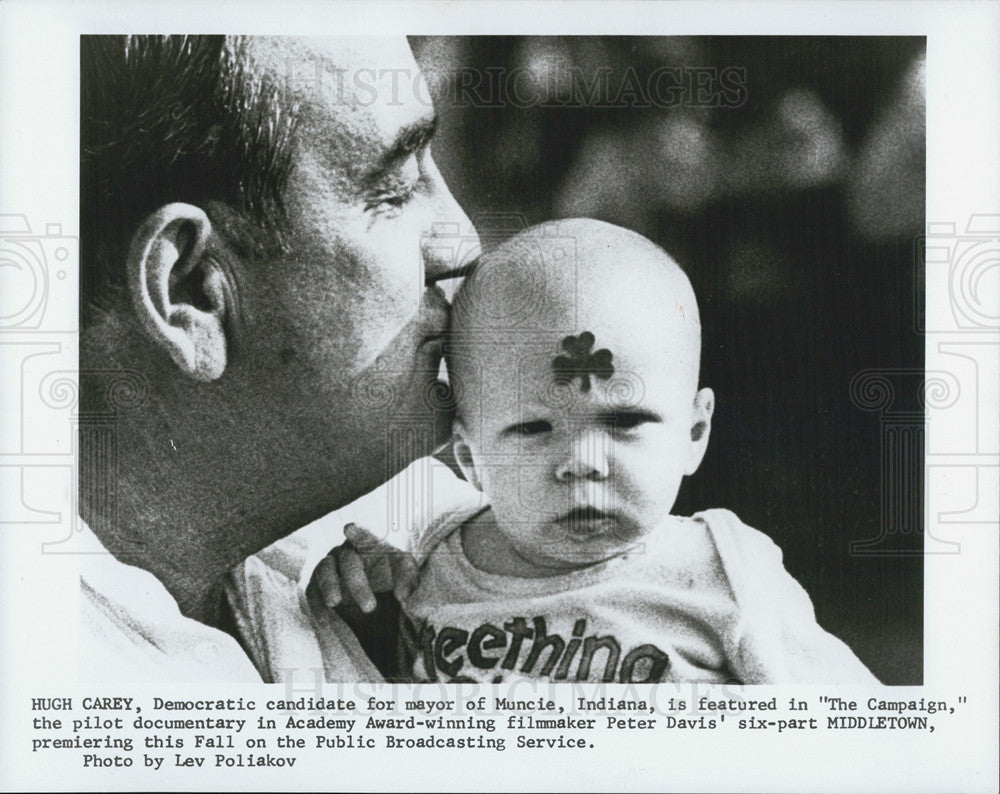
(574, 354)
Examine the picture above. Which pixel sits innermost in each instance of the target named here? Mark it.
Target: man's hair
(172, 118)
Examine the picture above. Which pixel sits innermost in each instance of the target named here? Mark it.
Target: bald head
(545, 292)
(572, 265)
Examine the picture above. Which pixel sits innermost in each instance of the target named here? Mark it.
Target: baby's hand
(355, 571)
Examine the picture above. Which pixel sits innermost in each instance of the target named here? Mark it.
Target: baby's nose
(586, 458)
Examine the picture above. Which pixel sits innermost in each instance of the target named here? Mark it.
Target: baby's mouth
(587, 522)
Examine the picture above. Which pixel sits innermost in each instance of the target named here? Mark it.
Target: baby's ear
(701, 428)
(463, 454)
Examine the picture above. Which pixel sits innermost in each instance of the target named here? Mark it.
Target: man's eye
(390, 200)
(396, 188)
(533, 428)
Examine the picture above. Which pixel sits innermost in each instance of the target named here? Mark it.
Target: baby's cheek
(501, 483)
(646, 482)
(531, 489)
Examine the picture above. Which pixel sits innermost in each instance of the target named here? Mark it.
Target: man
(260, 218)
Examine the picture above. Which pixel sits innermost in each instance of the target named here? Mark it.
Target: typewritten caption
(161, 733)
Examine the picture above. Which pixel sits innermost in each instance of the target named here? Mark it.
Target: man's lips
(451, 280)
(459, 272)
(434, 315)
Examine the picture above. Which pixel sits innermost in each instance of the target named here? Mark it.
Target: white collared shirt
(133, 631)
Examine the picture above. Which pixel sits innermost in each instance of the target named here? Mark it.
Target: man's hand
(351, 574)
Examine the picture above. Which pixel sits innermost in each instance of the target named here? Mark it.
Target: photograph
(423, 396)
(261, 270)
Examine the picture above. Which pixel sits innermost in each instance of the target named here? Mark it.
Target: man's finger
(352, 570)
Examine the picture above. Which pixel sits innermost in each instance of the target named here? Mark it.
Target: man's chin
(403, 410)
(421, 425)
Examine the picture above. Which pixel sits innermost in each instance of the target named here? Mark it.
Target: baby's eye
(533, 428)
(630, 420)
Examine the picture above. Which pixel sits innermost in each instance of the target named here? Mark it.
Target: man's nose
(586, 459)
(452, 241)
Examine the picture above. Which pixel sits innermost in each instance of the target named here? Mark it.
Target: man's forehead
(291, 54)
(356, 88)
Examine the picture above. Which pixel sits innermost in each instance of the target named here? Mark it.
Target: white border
(39, 177)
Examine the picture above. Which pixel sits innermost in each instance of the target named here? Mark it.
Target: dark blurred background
(787, 176)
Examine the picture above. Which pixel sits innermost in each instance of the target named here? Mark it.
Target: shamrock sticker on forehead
(580, 362)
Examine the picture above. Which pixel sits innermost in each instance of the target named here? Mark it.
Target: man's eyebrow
(410, 138)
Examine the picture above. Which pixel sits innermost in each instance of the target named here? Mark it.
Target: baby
(574, 356)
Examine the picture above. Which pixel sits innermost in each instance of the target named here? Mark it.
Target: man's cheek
(387, 267)
(397, 261)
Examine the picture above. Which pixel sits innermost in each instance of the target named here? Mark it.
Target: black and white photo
(571, 390)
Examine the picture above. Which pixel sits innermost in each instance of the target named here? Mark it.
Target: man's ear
(701, 428)
(463, 455)
(180, 292)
